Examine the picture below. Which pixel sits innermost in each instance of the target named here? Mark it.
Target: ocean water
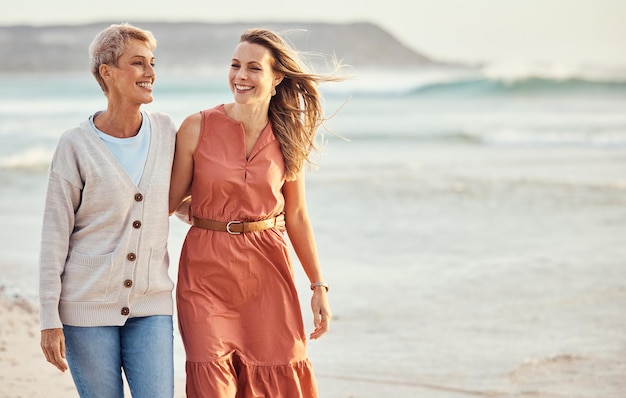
(471, 224)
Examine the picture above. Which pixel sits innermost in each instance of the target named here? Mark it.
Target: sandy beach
(24, 372)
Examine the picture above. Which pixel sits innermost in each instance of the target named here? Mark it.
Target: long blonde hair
(296, 110)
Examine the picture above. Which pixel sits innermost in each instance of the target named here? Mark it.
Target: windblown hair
(109, 44)
(296, 110)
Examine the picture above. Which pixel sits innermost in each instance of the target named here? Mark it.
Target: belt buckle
(231, 223)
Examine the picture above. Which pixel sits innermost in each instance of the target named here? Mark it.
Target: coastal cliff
(193, 45)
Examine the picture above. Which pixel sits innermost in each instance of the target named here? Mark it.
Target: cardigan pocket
(157, 279)
(86, 277)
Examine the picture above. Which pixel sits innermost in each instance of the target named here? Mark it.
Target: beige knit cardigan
(104, 251)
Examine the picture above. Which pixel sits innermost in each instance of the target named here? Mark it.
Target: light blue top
(131, 152)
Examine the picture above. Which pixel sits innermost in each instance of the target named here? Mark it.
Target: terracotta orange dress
(238, 309)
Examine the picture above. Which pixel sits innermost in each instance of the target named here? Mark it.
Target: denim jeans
(143, 348)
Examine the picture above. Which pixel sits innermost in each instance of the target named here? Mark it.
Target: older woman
(105, 294)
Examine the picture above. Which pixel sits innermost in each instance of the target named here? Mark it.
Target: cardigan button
(138, 197)
(125, 311)
(131, 256)
(128, 283)
(136, 224)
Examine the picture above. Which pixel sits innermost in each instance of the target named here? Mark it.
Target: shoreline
(24, 371)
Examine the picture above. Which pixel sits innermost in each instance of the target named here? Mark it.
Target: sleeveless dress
(238, 309)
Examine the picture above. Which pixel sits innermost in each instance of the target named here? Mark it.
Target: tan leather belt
(237, 227)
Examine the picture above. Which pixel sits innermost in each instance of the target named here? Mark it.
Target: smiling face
(132, 78)
(251, 75)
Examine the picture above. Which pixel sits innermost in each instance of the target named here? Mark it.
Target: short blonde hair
(109, 44)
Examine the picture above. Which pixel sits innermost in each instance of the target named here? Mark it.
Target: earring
(274, 91)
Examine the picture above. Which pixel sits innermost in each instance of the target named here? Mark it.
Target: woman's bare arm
(182, 168)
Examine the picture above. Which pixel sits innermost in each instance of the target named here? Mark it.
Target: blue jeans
(143, 347)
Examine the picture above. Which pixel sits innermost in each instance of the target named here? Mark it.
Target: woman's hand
(280, 223)
(183, 211)
(321, 312)
(53, 347)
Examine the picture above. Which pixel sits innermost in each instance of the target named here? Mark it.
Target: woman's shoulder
(160, 117)
(162, 126)
(75, 135)
(196, 118)
(217, 110)
(196, 124)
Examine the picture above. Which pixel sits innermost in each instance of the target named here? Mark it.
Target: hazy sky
(567, 32)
